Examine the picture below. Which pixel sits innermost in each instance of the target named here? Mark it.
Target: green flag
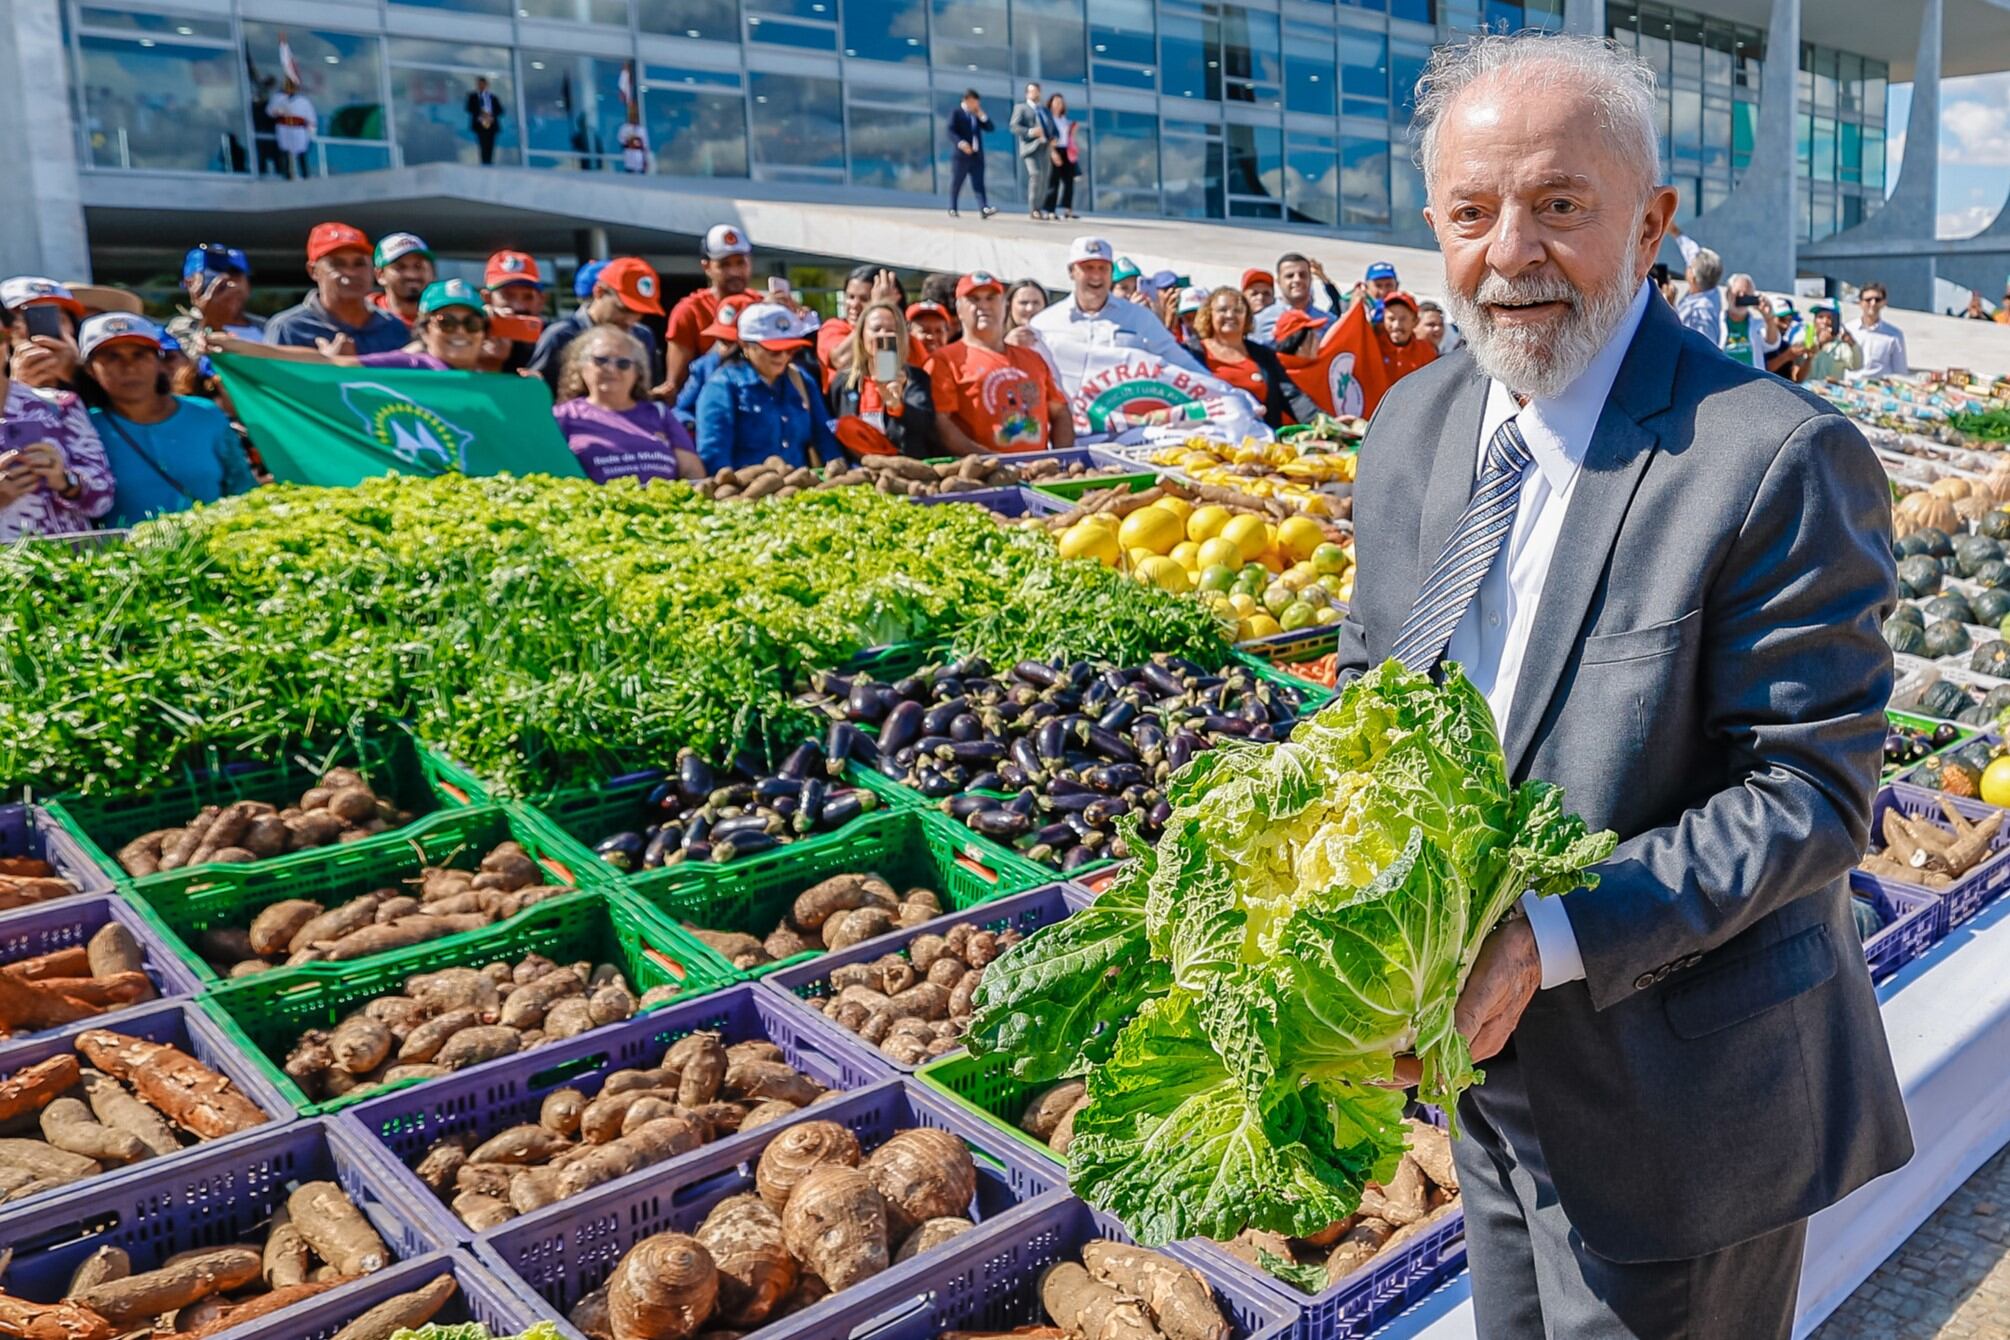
(325, 424)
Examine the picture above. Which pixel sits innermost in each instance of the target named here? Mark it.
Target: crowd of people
(110, 417)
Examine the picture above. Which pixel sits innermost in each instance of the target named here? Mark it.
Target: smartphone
(522, 329)
(43, 320)
(885, 363)
(1745, 300)
(778, 288)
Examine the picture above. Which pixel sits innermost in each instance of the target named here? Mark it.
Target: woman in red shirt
(1223, 347)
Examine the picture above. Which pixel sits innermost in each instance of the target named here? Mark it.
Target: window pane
(431, 110)
(1364, 73)
(1193, 177)
(1122, 30)
(1190, 52)
(1256, 169)
(1406, 200)
(891, 140)
(1308, 69)
(1505, 14)
(697, 122)
(1250, 56)
(339, 72)
(713, 20)
(769, 30)
(1124, 161)
(1717, 135)
(797, 135)
(1312, 185)
(1048, 40)
(1364, 183)
(971, 35)
(1849, 148)
(163, 105)
(155, 25)
(1406, 67)
(614, 12)
(1822, 167)
(1416, 11)
(1686, 141)
(1744, 126)
(998, 148)
(1717, 57)
(502, 8)
(890, 30)
(573, 107)
(1873, 159)
(1873, 91)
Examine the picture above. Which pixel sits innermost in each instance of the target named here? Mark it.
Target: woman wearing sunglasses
(607, 417)
(451, 329)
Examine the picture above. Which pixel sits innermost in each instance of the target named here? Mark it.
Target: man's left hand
(1505, 978)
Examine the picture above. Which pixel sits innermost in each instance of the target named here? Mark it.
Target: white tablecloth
(1948, 1017)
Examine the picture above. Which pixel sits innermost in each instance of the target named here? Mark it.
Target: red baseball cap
(511, 267)
(1402, 297)
(1293, 321)
(976, 280)
(635, 282)
(915, 309)
(332, 237)
(1258, 276)
(726, 324)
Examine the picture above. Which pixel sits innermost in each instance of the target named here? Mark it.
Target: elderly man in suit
(1665, 570)
(1036, 130)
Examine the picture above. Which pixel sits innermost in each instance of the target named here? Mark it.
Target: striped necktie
(1474, 544)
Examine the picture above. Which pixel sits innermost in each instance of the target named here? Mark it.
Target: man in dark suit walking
(967, 127)
(1665, 571)
(485, 113)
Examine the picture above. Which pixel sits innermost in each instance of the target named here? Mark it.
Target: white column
(42, 223)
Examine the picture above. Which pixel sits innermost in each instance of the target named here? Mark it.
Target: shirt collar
(1558, 429)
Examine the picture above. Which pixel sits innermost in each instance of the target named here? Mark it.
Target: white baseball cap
(772, 326)
(112, 327)
(34, 290)
(726, 239)
(1192, 299)
(1090, 249)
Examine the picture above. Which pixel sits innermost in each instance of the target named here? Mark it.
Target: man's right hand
(44, 362)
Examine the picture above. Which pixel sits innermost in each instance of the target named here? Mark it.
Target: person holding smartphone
(54, 479)
(217, 280)
(1751, 333)
(43, 317)
(882, 403)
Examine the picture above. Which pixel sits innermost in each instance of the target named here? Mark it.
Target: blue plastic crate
(177, 1024)
(561, 1253)
(30, 830)
(1010, 502)
(71, 922)
(218, 1196)
(1914, 923)
(487, 1100)
(478, 1296)
(990, 1281)
(1025, 912)
(1974, 890)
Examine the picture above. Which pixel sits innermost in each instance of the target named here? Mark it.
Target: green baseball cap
(396, 246)
(449, 293)
(1126, 268)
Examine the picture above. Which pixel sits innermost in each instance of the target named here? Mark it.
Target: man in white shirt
(1090, 316)
(1702, 307)
(294, 122)
(1883, 344)
(1663, 570)
(1747, 329)
(1295, 274)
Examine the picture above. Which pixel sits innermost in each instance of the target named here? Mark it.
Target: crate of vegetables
(251, 813)
(91, 1103)
(1011, 502)
(863, 1193)
(452, 873)
(40, 862)
(1944, 693)
(325, 1034)
(1956, 850)
(446, 1289)
(83, 960)
(475, 1150)
(998, 1284)
(906, 998)
(1909, 738)
(1896, 926)
(1957, 769)
(235, 1232)
(887, 872)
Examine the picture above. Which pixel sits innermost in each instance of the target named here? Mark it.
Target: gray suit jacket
(1706, 677)
(1025, 127)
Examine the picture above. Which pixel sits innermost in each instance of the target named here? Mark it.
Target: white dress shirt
(1883, 348)
(1070, 332)
(1491, 641)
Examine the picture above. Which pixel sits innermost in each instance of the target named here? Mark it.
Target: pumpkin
(1997, 481)
(1945, 637)
(1909, 613)
(1974, 507)
(1936, 541)
(1995, 523)
(1923, 511)
(1951, 488)
(1904, 636)
(1918, 576)
(1943, 699)
(1990, 606)
(1972, 551)
(1953, 606)
(1992, 659)
(1996, 572)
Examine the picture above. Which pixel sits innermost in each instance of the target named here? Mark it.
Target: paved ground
(1951, 1279)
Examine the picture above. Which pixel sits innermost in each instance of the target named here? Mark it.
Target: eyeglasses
(472, 324)
(615, 361)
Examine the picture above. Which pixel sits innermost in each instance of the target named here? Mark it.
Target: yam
(700, 1063)
(181, 843)
(33, 1005)
(398, 1074)
(115, 1107)
(760, 1081)
(840, 893)
(284, 1260)
(424, 1042)
(487, 1179)
(336, 1229)
(601, 1120)
(721, 1119)
(1086, 1307)
(1403, 1199)
(532, 1189)
(1064, 1129)
(101, 1267)
(526, 1005)
(835, 1224)
(479, 1212)
(335, 923)
(1044, 1113)
(922, 1174)
(353, 805)
(440, 1164)
(137, 1298)
(855, 927)
(527, 1144)
(785, 941)
(1431, 1147)
(1356, 1248)
(34, 1087)
(609, 1004)
(227, 944)
(24, 1320)
(113, 949)
(181, 1088)
(142, 856)
(1180, 1302)
(930, 1235)
(267, 836)
(663, 1289)
(560, 1111)
(315, 828)
(763, 1113)
(753, 1049)
(738, 948)
(408, 1311)
(651, 1143)
(646, 1109)
(400, 1014)
(796, 1152)
(755, 1269)
(68, 1125)
(360, 1044)
(456, 989)
(472, 1046)
(589, 1316)
(232, 1315)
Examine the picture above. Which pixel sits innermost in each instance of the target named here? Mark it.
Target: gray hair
(1739, 278)
(1708, 267)
(1598, 68)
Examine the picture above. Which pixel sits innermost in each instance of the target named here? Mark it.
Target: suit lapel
(1621, 447)
(1454, 470)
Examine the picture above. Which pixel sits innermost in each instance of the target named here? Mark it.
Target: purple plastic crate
(1912, 925)
(480, 1296)
(1026, 912)
(403, 1124)
(990, 1281)
(47, 927)
(1014, 502)
(176, 1023)
(559, 1254)
(30, 830)
(1974, 890)
(213, 1197)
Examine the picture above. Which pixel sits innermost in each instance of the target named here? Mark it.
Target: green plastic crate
(103, 824)
(907, 847)
(1315, 696)
(1928, 724)
(265, 1015)
(984, 1085)
(183, 904)
(1073, 489)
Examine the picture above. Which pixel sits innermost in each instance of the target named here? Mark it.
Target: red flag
(1354, 363)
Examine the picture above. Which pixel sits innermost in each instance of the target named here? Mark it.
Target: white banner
(1128, 395)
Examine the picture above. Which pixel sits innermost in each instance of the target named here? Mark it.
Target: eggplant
(1054, 835)
(1011, 777)
(623, 851)
(937, 718)
(1101, 812)
(1120, 715)
(1222, 725)
(1028, 757)
(692, 851)
(1071, 786)
(1163, 681)
(744, 824)
(830, 683)
(784, 808)
(1097, 696)
(1149, 738)
(810, 805)
(734, 793)
(932, 784)
(913, 688)
(1185, 744)
(865, 704)
(991, 781)
(1036, 673)
(1072, 802)
(697, 831)
(1051, 743)
(966, 727)
(774, 788)
(1263, 734)
(662, 796)
(1160, 814)
(1110, 745)
(1026, 803)
(800, 761)
(999, 823)
(842, 738)
(695, 780)
(1076, 858)
(841, 807)
(746, 844)
(666, 841)
(965, 805)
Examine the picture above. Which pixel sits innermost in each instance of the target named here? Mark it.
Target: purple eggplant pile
(1046, 756)
(700, 814)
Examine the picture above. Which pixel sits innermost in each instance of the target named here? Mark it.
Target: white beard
(1533, 362)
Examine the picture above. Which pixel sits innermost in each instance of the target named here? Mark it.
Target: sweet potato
(129, 1301)
(480, 1212)
(797, 1151)
(68, 1125)
(142, 856)
(32, 1005)
(650, 1143)
(663, 1289)
(524, 1145)
(101, 1267)
(1355, 1248)
(74, 961)
(840, 893)
(488, 1179)
(335, 923)
(315, 828)
(601, 1120)
(526, 1005)
(533, 1189)
(117, 1108)
(646, 1109)
(230, 1315)
(1403, 1199)
(424, 1042)
(110, 992)
(922, 1174)
(34, 1087)
(569, 1018)
(849, 928)
(1044, 1113)
(770, 1111)
(756, 1271)
(610, 1003)
(560, 1111)
(406, 1311)
(384, 936)
(359, 1044)
(336, 1229)
(456, 989)
(1431, 1147)
(930, 1235)
(440, 1163)
(183, 1089)
(483, 1042)
(1180, 1302)
(759, 1081)
(835, 1225)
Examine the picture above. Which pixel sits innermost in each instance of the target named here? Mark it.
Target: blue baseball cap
(1381, 270)
(586, 278)
(216, 259)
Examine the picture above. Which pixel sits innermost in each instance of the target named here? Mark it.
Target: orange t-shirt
(1003, 401)
(693, 312)
(1243, 374)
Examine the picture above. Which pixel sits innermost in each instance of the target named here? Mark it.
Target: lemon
(1206, 522)
(1219, 549)
(1996, 781)
(1330, 614)
(1249, 535)
(1178, 506)
(1262, 625)
(1298, 576)
(1242, 603)
(1330, 558)
(1296, 615)
(1087, 540)
(1155, 529)
(1187, 554)
(1277, 597)
(1299, 537)
(1165, 574)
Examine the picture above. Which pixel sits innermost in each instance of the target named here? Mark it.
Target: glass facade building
(1294, 112)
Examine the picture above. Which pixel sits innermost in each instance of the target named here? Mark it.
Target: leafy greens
(1312, 912)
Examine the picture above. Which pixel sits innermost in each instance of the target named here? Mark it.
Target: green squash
(1990, 606)
(1975, 755)
(1972, 551)
(1992, 659)
(1998, 698)
(1951, 605)
(1909, 547)
(1935, 542)
(1949, 773)
(1996, 572)
(1995, 524)
(1945, 637)
(1910, 613)
(1918, 575)
(1904, 636)
(1943, 700)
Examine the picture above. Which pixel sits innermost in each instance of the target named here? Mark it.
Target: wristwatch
(72, 486)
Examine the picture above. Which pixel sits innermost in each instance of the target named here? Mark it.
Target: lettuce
(1235, 1001)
